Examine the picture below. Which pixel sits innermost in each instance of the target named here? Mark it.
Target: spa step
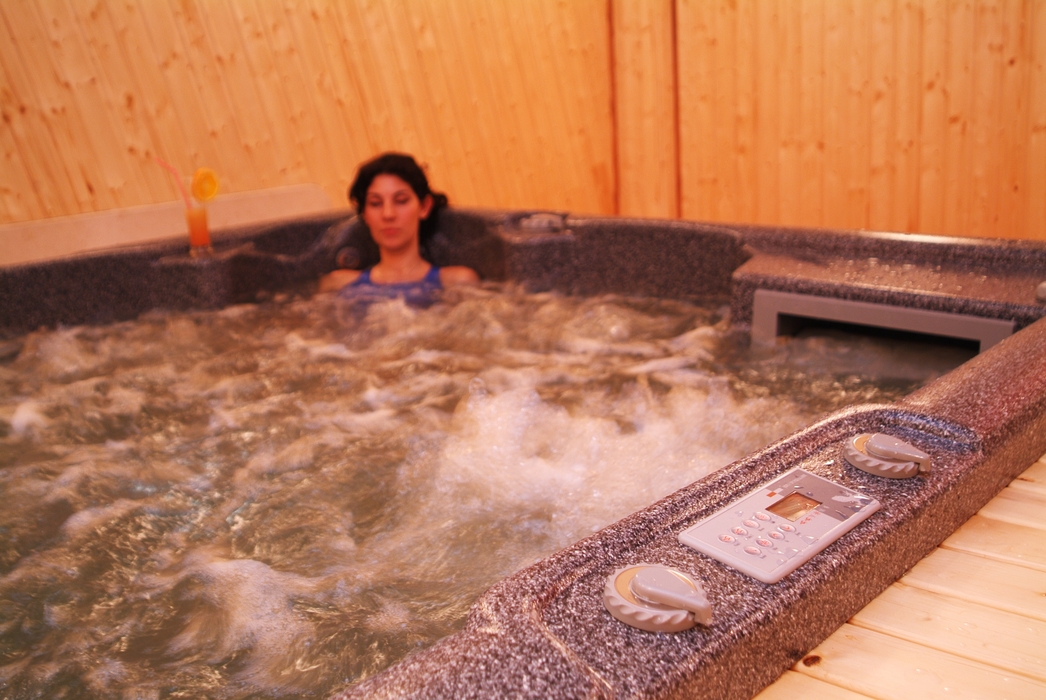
(887, 294)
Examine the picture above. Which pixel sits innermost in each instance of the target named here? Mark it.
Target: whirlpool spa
(218, 483)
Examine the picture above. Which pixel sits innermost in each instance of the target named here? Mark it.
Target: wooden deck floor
(969, 621)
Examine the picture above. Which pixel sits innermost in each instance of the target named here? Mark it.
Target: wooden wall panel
(809, 82)
(39, 113)
(901, 115)
(18, 182)
(909, 115)
(509, 104)
(645, 107)
(1033, 197)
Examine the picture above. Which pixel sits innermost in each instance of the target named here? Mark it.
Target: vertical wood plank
(787, 98)
(1034, 224)
(307, 45)
(767, 47)
(519, 122)
(405, 83)
(278, 110)
(934, 120)
(94, 159)
(16, 200)
(28, 166)
(812, 72)
(286, 96)
(595, 57)
(644, 104)
(181, 86)
(730, 55)
(1012, 201)
(437, 42)
(742, 21)
(491, 155)
(836, 131)
(858, 112)
(723, 43)
(146, 97)
(695, 37)
(339, 82)
(908, 70)
(956, 151)
(985, 132)
(53, 122)
(882, 106)
(121, 98)
(585, 31)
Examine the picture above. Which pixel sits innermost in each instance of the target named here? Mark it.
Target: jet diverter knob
(656, 598)
(886, 456)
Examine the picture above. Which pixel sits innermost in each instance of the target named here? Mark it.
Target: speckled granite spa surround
(121, 283)
(544, 633)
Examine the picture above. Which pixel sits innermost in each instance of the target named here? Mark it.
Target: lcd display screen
(793, 506)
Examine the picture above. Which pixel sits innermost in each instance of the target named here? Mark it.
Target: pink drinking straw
(177, 179)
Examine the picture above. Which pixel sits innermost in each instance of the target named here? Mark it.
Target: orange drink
(199, 236)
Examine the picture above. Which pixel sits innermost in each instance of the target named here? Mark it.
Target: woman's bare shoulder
(333, 281)
(457, 274)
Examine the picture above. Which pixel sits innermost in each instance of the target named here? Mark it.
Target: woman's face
(393, 212)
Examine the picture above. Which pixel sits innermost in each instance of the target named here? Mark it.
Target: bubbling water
(278, 500)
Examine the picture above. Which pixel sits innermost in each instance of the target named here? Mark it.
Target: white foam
(664, 364)
(597, 464)
(28, 417)
(381, 420)
(242, 605)
(84, 522)
(701, 340)
(58, 354)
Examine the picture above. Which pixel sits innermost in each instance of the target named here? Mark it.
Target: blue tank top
(424, 292)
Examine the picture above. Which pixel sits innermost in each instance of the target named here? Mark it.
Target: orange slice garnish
(204, 184)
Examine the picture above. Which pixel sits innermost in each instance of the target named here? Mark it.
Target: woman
(392, 195)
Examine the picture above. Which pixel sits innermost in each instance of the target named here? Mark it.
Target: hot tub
(544, 632)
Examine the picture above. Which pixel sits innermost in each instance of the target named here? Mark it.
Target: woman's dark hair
(405, 168)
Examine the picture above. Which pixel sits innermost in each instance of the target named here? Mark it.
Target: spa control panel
(777, 528)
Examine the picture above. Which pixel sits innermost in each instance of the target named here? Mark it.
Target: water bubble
(477, 387)
(27, 418)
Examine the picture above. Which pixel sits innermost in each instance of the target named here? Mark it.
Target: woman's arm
(457, 274)
(337, 279)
